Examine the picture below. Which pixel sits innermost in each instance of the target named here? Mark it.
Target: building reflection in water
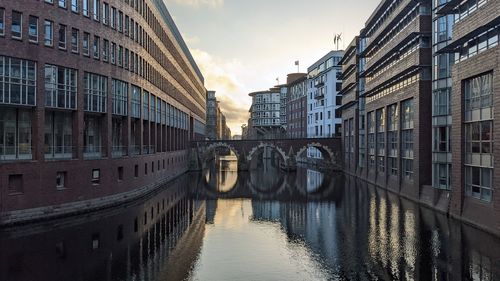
(330, 227)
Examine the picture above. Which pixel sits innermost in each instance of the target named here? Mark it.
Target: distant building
(265, 114)
(211, 125)
(237, 137)
(297, 106)
(323, 120)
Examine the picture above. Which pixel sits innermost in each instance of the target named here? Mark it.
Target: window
(407, 138)
(105, 13)
(86, 7)
(113, 53)
(74, 5)
(15, 134)
(95, 90)
(478, 182)
(120, 173)
(2, 21)
(15, 184)
(120, 56)
(95, 47)
(62, 37)
(60, 87)
(442, 174)
(74, 40)
(85, 43)
(105, 50)
(119, 22)
(113, 17)
(95, 241)
(125, 25)
(96, 10)
(17, 25)
(136, 171)
(441, 99)
(58, 135)
(136, 102)
(381, 139)
(371, 138)
(48, 29)
(442, 139)
(145, 105)
(33, 29)
(119, 90)
(17, 81)
(92, 136)
(60, 180)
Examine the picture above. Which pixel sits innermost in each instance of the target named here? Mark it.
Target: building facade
(429, 133)
(297, 108)
(211, 120)
(350, 106)
(323, 85)
(265, 114)
(97, 103)
(473, 101)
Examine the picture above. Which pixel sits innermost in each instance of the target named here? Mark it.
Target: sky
(242, 46)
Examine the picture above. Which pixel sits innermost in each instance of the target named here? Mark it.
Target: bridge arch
(263, 145)
(209, 150)
(326, 151)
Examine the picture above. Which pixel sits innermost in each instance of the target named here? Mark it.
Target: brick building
(98, 100)
(297, 106)
(428, 133)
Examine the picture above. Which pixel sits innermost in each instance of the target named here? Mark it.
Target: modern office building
(469, 105)
(98, 100)
(429, 133)
(297, 107)
(396, 65)
(323, 119)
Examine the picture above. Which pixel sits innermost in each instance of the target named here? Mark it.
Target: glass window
(95, 90)
(58, 136)
(113, 53)
(85, 43)
(17, 25)
(74, 40)
(15, 134)
(145, 105)
(96, 10)
(95, 47)
(62, 3)
(105, 13)
(33, 29)
(119, 91)
(136, 102)
(120, 55)
(86, 7)
(2, 21)
(74, 5)
(17, 81)
(112, 19)
(60, 87)
(48, 30)
(105, 50)
(92, 137)
(62, 36)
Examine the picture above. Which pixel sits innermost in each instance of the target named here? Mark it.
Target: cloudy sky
(244, 45)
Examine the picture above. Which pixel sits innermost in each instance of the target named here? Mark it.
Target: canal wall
(81, 197)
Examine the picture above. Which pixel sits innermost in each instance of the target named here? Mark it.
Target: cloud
(221, 76)
(198, 3)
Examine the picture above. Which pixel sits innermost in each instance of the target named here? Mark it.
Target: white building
(266, 114)
(323, 85)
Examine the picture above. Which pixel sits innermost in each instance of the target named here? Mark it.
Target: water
(222, 224)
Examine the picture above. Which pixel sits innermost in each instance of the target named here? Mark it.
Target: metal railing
(92, 152)
(12, 153)
(59, 152)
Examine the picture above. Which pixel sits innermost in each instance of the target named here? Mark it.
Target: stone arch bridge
(289, 151)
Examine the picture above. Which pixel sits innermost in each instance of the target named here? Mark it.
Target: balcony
(319, 96)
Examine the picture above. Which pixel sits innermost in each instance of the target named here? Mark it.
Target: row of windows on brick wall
(96, 47)
(16, 181)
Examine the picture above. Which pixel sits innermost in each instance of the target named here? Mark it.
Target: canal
(264, 224)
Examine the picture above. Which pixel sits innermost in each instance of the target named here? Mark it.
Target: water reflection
(330, 227)
(222, 173)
